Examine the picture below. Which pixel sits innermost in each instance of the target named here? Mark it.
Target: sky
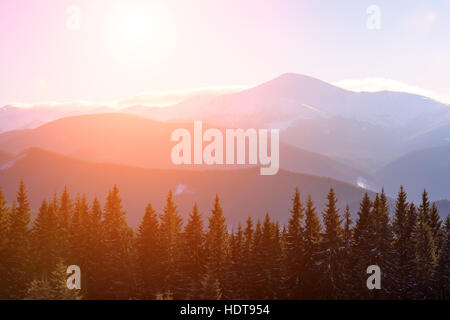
(112, 50)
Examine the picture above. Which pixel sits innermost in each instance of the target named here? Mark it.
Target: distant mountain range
(367, 139)
(243, 192)
(16, 118)
(137, 141)
(427, 168)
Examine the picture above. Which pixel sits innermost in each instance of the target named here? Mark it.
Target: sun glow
(139, 31)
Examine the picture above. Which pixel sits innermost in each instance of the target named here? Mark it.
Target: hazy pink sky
(127, 47)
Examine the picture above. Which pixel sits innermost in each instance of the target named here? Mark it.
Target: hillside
(5, 157)
(427, 168)
(137, 141)
(243, 192)
(366, 129)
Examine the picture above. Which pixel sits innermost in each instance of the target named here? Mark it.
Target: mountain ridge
(139, 186)
(138, 141)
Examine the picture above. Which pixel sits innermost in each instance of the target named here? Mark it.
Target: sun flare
(139, 30)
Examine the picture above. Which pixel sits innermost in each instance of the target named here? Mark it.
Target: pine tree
(118, 243)
(312, 238)
(410, 268)
(294, 247)
(17, 261)
(194, 252)
(435, 223)
(247, 264)
(257, 265)
(45, 241)
(403, 226)
(426, 260)
(331, 260)
(217, 246)
(171, 249)
(363, 246)
(148, 248)
(348, 232)
(4, 231)
(78, 237)
(268, 256)
(277, 262)
(237, 262)
(65, 211)
(443, 273)
(4, 222)
(347, 256)
(383, 248)
(424, 209)
(283, 292)
(95, 270)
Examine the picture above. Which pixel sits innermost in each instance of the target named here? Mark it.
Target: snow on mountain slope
(294, 96)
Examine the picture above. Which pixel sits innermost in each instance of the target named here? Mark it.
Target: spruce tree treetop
(435, 221)
(194, 226)
(363, 223)
(216, 237)
(66, 208)
(348, 232)
(443, 272)
(294, 226)
(20, 216)
(113, 207)
(248, 231)
(312, 223)
(401, 208)
(170, 220)
(332, 237)
(150, 222)
(96, 215)
(194, 240)
(424, 209)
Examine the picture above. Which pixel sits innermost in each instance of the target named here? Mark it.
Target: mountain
(137, 141)
(116, 138)
(359, 144)
(294, 96)
(427, 168)
(14, 118)
(435, 136)
(367, 129)
(243, 192)
(275, 101)
(303, 161)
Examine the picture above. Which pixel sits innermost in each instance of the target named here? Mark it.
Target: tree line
(311, 257)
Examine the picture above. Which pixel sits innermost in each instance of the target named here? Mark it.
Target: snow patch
(180, 189)
(12, 162)
(362, 183)
(311, 107)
